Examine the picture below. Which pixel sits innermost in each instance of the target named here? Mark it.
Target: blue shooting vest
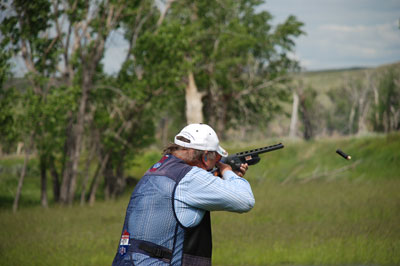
(152, 226)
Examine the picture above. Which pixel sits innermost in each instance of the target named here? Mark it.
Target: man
(168, 217)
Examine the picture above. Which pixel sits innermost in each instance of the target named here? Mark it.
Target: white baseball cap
(201, 137)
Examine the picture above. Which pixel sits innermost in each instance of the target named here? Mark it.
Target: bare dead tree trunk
(164, 12)
(293, 120)
(194, 104)
(21, 179)
(363, 105)
(376, 102)
(19, 147)
(362, 125)
(354, 95)
(363, 99)
(351, 118)
(385, 121)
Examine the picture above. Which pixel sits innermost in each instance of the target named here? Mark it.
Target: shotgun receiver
(250, 157)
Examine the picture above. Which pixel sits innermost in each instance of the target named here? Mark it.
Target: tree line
(220, 62)
(361, 102)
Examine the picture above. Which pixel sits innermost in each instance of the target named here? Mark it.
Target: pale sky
(339, 33)
(343, 33)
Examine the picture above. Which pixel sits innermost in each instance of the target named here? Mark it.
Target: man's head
(197, 144)
(200, 137)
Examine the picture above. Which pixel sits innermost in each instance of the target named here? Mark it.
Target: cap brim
(221, 151)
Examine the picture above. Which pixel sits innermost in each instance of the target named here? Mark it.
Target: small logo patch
(122, 251)
(124, 243)
(157, 165)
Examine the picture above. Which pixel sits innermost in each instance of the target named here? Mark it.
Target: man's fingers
(243, 169)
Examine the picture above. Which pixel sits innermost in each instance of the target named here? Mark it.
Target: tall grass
(312, 208)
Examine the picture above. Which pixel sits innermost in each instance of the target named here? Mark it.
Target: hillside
(331, 79)
(342, 102)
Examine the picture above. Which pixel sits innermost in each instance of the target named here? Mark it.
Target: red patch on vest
(158, 164)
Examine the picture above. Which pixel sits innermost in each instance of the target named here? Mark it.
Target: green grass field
(312, 208)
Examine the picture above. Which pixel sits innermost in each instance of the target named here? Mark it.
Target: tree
(364, 104)
(62, 44)
(144, 86)
(236, 57)
(387, 100)
(224, 51)
(8, 128)
(7, 100)
(347, 99)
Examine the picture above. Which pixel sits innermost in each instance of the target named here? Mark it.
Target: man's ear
(205, 158)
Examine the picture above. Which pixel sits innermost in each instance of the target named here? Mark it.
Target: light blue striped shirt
(200, 191)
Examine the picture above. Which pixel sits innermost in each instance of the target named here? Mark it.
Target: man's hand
(225, 167)
(243, 169)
